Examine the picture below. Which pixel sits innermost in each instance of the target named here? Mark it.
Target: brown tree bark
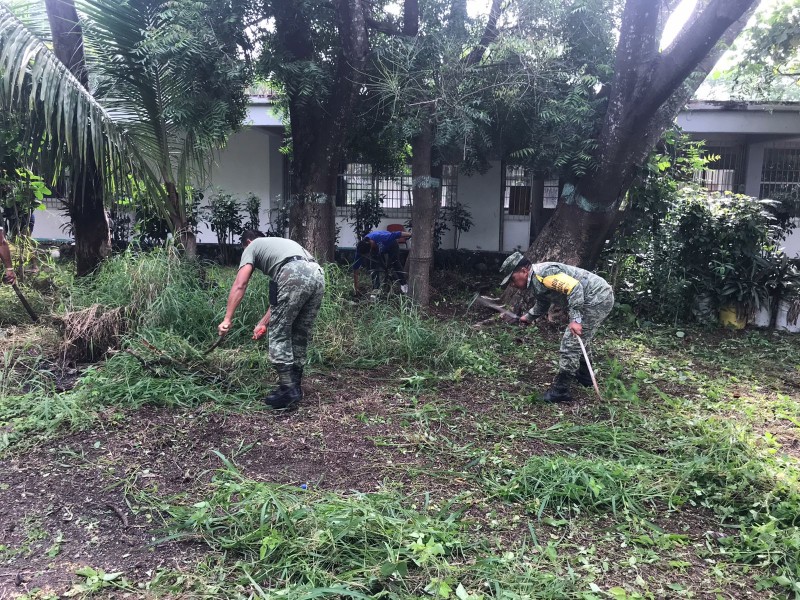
(424, 209)
(649, 88)
(85, 206)
(184, 234)
(318, 131)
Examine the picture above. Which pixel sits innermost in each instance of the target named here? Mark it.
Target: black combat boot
(559, 390)
(582, 375)
(297, 378)
(287, 392)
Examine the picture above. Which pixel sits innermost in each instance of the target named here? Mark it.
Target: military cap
(509, 265)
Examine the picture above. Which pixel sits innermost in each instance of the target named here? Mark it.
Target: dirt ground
(63, 505)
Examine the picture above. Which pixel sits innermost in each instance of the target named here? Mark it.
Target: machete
(214, 345)
(489, 304)
(588, 365)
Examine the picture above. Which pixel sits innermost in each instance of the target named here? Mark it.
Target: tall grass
(161, 291)
(396, 332)
(187, 299)
(173, 306)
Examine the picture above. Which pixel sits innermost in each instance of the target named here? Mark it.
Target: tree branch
(410, 21)
(666, 112)
(383, 26)
(411, 18)
(489, 35)
(638, 43)
(695, 43)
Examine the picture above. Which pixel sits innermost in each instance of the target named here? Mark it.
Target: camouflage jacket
(582, 288)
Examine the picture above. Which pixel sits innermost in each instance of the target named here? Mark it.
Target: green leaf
(462, 593)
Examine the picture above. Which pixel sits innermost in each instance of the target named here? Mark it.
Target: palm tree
(85, 204)
(169, 89)
(66, 122)
(174, 85)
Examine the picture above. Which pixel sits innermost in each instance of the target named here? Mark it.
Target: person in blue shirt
(371, 250)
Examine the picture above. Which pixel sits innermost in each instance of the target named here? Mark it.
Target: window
(449, 185)
(780, 175)
(550, 198)
(358, 179)
(54, 203)
(726, 173)
(518, 191)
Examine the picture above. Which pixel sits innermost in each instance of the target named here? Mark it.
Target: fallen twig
(120, 513)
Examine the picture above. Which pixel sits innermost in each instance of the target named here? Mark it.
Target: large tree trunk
(319, 130)
(423, 214)
(85, 206)
(88, 215)
(649, 88)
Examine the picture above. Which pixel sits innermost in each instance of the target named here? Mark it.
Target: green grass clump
(392, 331)
(646, 463)
(566, 484)
(12, 312)
(162, 291)
(281, 541)
(357, 544)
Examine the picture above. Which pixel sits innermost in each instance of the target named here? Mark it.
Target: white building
(758, 145)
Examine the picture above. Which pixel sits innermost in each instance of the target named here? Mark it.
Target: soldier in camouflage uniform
(297, 285)
(590, 300)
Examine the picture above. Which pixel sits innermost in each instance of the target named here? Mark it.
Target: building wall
(252, 163)
(51, 224)
(481, 194)
(711, 118)
(246, 165)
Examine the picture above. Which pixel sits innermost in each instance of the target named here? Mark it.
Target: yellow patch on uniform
(560, 282)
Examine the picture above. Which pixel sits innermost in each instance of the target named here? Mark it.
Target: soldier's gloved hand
(10, 277)
(259, 332)
(524, 320)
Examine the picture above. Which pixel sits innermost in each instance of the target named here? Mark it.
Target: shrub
(709, 250)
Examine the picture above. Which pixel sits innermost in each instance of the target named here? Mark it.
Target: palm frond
(36, 84)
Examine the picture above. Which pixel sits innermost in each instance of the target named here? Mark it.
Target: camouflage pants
(592, 316)
(301, 286)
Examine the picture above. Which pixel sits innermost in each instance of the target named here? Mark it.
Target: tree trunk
(184, 233)
(88, 215)
(423, 215)
(312, 223)
(85, 206)
(649, 88)
(320, 127)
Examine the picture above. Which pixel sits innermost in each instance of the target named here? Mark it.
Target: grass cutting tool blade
(214, 345)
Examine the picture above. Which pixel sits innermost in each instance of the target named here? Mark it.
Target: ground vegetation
(421, 463)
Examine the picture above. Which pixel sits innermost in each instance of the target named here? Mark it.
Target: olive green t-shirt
(266, 254)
